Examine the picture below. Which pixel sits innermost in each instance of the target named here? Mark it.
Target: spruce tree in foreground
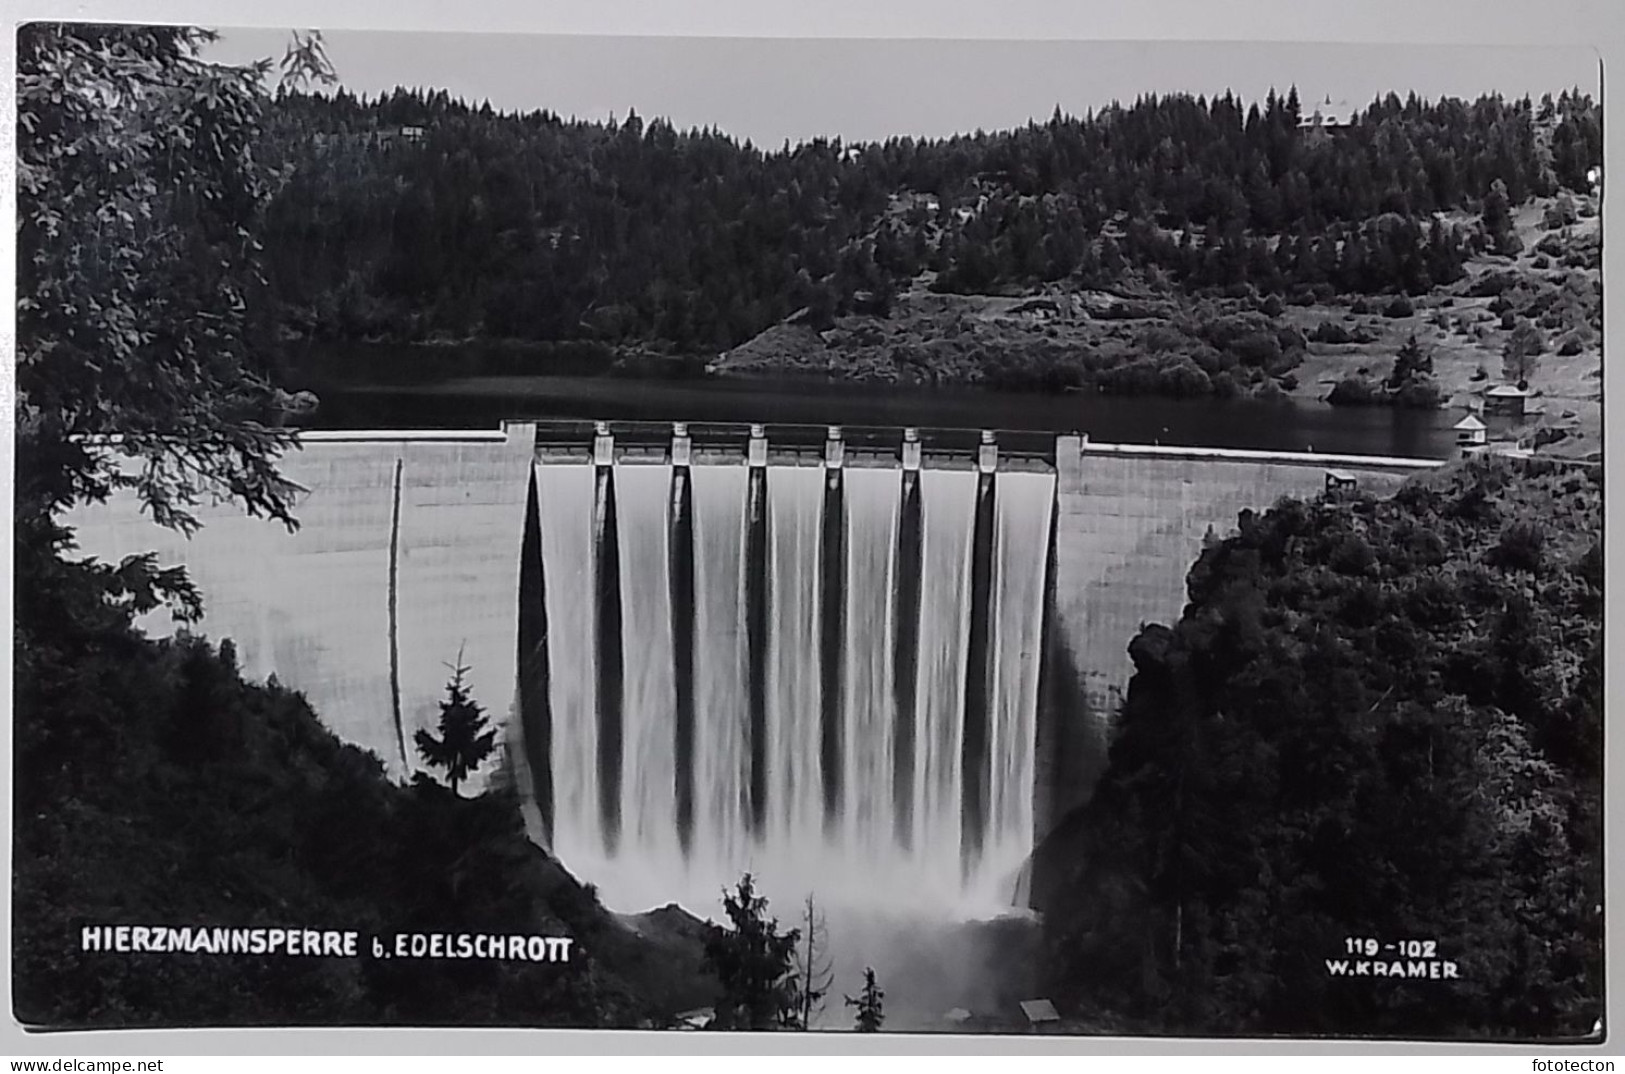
(463, 743)
(755, 963)
(870, 1014)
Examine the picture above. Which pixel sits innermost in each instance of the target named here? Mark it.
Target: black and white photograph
(825, 535)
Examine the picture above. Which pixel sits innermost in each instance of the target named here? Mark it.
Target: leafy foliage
(1375, 718)
(142, 317)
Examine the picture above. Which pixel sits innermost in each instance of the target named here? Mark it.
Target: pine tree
(1411, 362)
(755, 963)
(870, 1013)
(1498, 221)
(463, 743)
(1523, 347)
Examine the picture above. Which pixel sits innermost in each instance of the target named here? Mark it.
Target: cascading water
(947, 512)
(722, 684)
(794, 694)
(565, 497)
(869, 718)
(1021, 534)
(827, 650)
(648, 766)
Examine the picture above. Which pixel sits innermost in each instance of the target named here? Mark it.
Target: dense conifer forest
(414, 216)
(1383, 712)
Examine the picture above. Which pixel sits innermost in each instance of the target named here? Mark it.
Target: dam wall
(407, 553)
(1130, 522)
(905, 645)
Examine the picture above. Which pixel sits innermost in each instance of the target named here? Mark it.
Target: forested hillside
(1376, 718)
(154, 786)
(414, 216)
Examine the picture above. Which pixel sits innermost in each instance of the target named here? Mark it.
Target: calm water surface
(1281, 425)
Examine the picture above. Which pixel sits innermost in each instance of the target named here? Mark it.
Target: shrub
(1352, 556)
(1399, 307)
(1124, 311)
(1359, 306)
(1492, 283)
(1353, 391)
(1419, 393)
(1520, 547)
(1181, 377)
(1259, 349)
(1330, 332)
(1434, 602)
(1540, 303)
(1292, 340)
(1138, 377)
(1550, 434)
(1156, 338)
(1212, 360)
(1560, 213)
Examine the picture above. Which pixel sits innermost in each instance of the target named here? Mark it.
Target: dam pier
(877, 662)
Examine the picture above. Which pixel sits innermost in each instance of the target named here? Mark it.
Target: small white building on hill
(1327, 115)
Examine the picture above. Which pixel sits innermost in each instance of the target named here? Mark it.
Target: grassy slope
(1568, 383)
(932, 338)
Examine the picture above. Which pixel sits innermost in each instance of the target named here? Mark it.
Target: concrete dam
(874, 663)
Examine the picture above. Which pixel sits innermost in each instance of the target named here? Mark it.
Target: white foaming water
(858, 862)
(948, 517)
(794, 689)
(1021, 538)
(869, 714)
(649, 701)
(565, 497)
